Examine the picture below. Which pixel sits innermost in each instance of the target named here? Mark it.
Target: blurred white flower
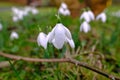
(18, 14)
(59, 35)
(85, 27)
(63, 10)
(34, 11)
(1, 26)
(85, 16)
(67, 12)
(102, 17)
(63, 5)
(71, 42)
(15, 10)
(14, 35)
(91, 15)
(42, 40)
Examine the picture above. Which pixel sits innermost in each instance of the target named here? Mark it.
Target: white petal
(34, 11)
(61, 11)
(51, 35)
(66, 12)
(42, 40)
(71, 43)
(85, 27)
(15, 10)
(63, 5)
(67, 33)
(91, 15)
(14, 35)
(85, 16)
(59, 36)
(101, 17)
(55, 45)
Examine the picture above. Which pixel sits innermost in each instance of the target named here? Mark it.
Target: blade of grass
(13, 68)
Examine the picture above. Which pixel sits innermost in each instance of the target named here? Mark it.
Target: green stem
(13, 68)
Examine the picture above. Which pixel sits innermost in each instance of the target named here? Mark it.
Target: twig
(69, 60)
(4, 64)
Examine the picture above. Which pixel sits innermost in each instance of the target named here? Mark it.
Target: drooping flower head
(91, 15)
(87, 16)
(58, 37)
(85, 27)
(42, 40)
(102, 17)
(14, 35)
(63, 10)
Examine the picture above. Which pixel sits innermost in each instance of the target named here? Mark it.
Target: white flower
(34, 11)
(71, 42)
(1, 27)
(15, 10)
(63, 5)
(20, 15)
(14, 35)
(91, 15)
(102, 17)
(85, 16)
(67, 12)
(63, 10)
(42, 40)
(85, 27)
(17, 14)
(59, 35)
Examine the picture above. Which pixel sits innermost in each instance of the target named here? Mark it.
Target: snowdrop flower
(85, 27)
(14, 35)
(67, 12)
(59, 35)
(63, 5)
(17, 14)
(20, 15)
(15, 10)
(1, 27)
(102, 17)
(64, 10)
(42, 40)
(34, 11)
(91, 15)
(71, 42)
(85, 16)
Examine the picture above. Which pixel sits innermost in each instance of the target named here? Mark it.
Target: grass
(103, 36)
